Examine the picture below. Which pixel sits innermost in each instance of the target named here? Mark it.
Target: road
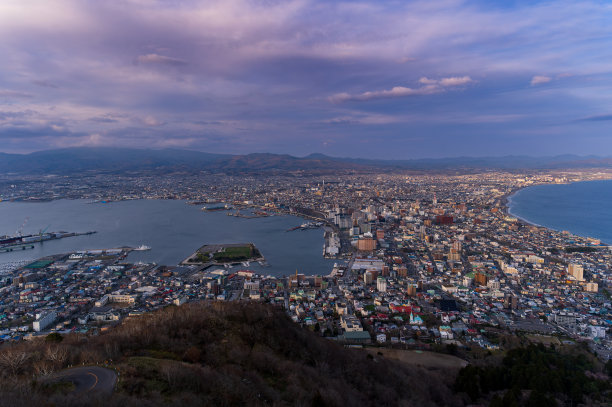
(92, 379)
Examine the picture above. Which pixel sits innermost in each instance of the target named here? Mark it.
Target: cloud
(430, 86)
(249, 70)
(160, 59)
(152, 121)
(598, 118)
(540, 79)
(365, 119)
(103, 119)
(11, 94)
(44, 83)
(455, 81)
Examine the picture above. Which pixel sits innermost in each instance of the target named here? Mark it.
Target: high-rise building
(366, 244)
(576, 271)
(381, 284)
(481, 279)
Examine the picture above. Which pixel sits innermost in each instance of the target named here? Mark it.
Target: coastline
(506, 201)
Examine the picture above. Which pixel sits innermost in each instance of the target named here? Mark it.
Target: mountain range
(120, 160)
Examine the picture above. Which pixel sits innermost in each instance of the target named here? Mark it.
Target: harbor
(134, 223)
(26, 242)
(255, 214)
(306, 226)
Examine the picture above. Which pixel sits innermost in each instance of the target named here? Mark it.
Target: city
(422, 261)
(277, 203)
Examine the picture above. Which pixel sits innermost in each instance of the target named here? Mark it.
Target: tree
(609, 367)
(13, 360)
(54, 337)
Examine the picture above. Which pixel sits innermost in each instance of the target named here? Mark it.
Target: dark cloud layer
(373, 78)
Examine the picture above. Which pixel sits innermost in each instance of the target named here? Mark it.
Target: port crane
(19, 231)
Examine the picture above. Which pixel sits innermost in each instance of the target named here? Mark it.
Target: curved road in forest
(90, 379)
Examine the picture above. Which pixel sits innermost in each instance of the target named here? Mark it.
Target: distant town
(422, 261)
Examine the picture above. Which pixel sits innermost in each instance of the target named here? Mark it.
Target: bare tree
(43, 368)
(57, 354)
(13, 360)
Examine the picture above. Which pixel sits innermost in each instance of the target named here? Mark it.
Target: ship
(142, 248)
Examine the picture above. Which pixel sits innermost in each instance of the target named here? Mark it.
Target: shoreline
(506, 200)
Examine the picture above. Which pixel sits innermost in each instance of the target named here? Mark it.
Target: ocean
(582, 208)
(171, 228)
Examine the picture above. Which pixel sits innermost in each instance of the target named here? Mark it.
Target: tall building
(481, 279)
(576, 271)
(44, 320)
(366, 244)
(381, 284)
(367, 277)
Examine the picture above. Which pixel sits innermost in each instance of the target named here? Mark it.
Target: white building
(44, 320)
(597, 332)
(180, 300)
(251, 285)
(381, 284)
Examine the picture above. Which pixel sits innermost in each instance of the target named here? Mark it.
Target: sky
(373, 79)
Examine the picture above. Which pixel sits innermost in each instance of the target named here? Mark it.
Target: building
(493, 284)
(454, 255)
(44, 320)
(597, 332)
(341, 308)
(381, 284)
(481, 279)
(350, 323)
(566, 319)
(355, 338)
(367, 264)
(576, 271)
(444, 220)
(180, 300)
(591, 287)
(366, 244)
(368, 277)
(251, 285)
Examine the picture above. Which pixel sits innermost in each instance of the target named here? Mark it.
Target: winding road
(90, 379)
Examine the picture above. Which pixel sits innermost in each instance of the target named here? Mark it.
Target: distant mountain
(72, 160)
(122, 160)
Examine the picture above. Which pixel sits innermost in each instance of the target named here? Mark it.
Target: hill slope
(229, 354)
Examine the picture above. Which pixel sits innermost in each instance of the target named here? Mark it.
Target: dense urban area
(424, 262)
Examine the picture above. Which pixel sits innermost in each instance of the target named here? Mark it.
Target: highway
(90, 379)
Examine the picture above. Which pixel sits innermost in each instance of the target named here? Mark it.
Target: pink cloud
(539, 79)
(431, 86)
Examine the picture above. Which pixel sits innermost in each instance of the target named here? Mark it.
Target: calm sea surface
(172, 229)
(583, 208)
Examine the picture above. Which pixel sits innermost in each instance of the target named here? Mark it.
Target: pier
(17, 243)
